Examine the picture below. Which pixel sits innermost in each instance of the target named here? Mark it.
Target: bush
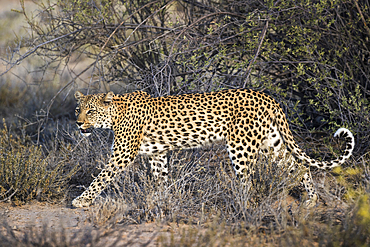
(26, 173)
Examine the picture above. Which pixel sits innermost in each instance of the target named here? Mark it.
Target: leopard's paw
(80, 202)
(310, 203)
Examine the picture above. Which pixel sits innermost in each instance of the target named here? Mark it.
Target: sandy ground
(47, 219)
(38, 214)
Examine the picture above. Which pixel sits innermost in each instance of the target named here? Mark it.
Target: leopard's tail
(340, 133)
(299, 154)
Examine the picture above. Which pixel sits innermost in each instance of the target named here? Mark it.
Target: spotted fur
(250, 122)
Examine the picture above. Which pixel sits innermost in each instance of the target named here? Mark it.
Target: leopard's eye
(89, 112)
(77, 110)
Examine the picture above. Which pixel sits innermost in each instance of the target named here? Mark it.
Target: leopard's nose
(79, 124)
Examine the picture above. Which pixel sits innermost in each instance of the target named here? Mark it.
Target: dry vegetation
(313, 58)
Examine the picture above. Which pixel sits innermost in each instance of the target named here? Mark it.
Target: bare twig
(362, 17)
(115, 30)
(249, 69)
(28, 53)
(9, 197)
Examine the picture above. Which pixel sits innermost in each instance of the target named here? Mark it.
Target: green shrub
(26, 173)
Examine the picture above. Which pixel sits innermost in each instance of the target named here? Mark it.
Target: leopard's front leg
(124, 152)
(95, 188)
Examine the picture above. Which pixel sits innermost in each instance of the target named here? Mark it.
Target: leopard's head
(93, 111)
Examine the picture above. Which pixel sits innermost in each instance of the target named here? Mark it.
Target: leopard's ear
(79, 95)
(108, 97)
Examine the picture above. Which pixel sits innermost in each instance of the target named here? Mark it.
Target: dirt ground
(73, 223)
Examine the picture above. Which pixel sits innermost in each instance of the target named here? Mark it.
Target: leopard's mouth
(86, 132)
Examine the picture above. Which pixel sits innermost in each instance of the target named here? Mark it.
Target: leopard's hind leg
(159, 167)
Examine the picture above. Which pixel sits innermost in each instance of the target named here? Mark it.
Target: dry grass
(56, 237)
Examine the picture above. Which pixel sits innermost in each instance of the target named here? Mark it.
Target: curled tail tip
(344, 133)
(350, 142)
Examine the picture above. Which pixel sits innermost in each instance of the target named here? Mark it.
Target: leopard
(249, 122)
